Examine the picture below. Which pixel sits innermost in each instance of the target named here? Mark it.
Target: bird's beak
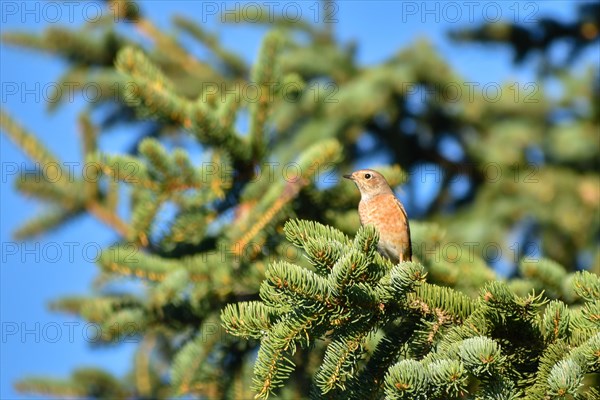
(349, 177)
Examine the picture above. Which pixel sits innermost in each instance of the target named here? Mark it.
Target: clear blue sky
(36, 341)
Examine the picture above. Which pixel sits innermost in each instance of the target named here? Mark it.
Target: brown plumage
(379, 207)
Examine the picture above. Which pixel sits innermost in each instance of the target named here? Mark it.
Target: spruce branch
(290, 284)
(274, 364)
(82, 48)
(231, 60)
(200, 240)
(249, 319)
(564, 379)
(454, 304)
(447, 378)
(27, 142)
(89, 136)
(370, 380)
(298, 232)
(143, 368)
(587, 285)
(264, 74)
(191, 371)
(173, 50)
(110, 218)
(458, 340)
(43, 223)
(407, 380)
(556, 321)
(267, 211)
(546, 274)
(482, 356)
(70, 195)
(339, 362)
(84, 382)
(154, 95)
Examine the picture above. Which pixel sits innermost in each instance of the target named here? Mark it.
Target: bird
(379, 207)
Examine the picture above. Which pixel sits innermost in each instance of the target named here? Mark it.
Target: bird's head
(370, 183)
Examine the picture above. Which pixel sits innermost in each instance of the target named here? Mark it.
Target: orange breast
(386, 214)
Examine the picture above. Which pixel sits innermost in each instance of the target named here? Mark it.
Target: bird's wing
(403, 211)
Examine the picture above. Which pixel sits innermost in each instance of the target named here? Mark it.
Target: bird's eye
(367, 176)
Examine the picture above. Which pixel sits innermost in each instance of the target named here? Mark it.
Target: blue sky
(36, 341)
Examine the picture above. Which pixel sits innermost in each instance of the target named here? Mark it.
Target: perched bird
(379, 207)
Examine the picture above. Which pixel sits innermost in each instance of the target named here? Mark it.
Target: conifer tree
(262, 282)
